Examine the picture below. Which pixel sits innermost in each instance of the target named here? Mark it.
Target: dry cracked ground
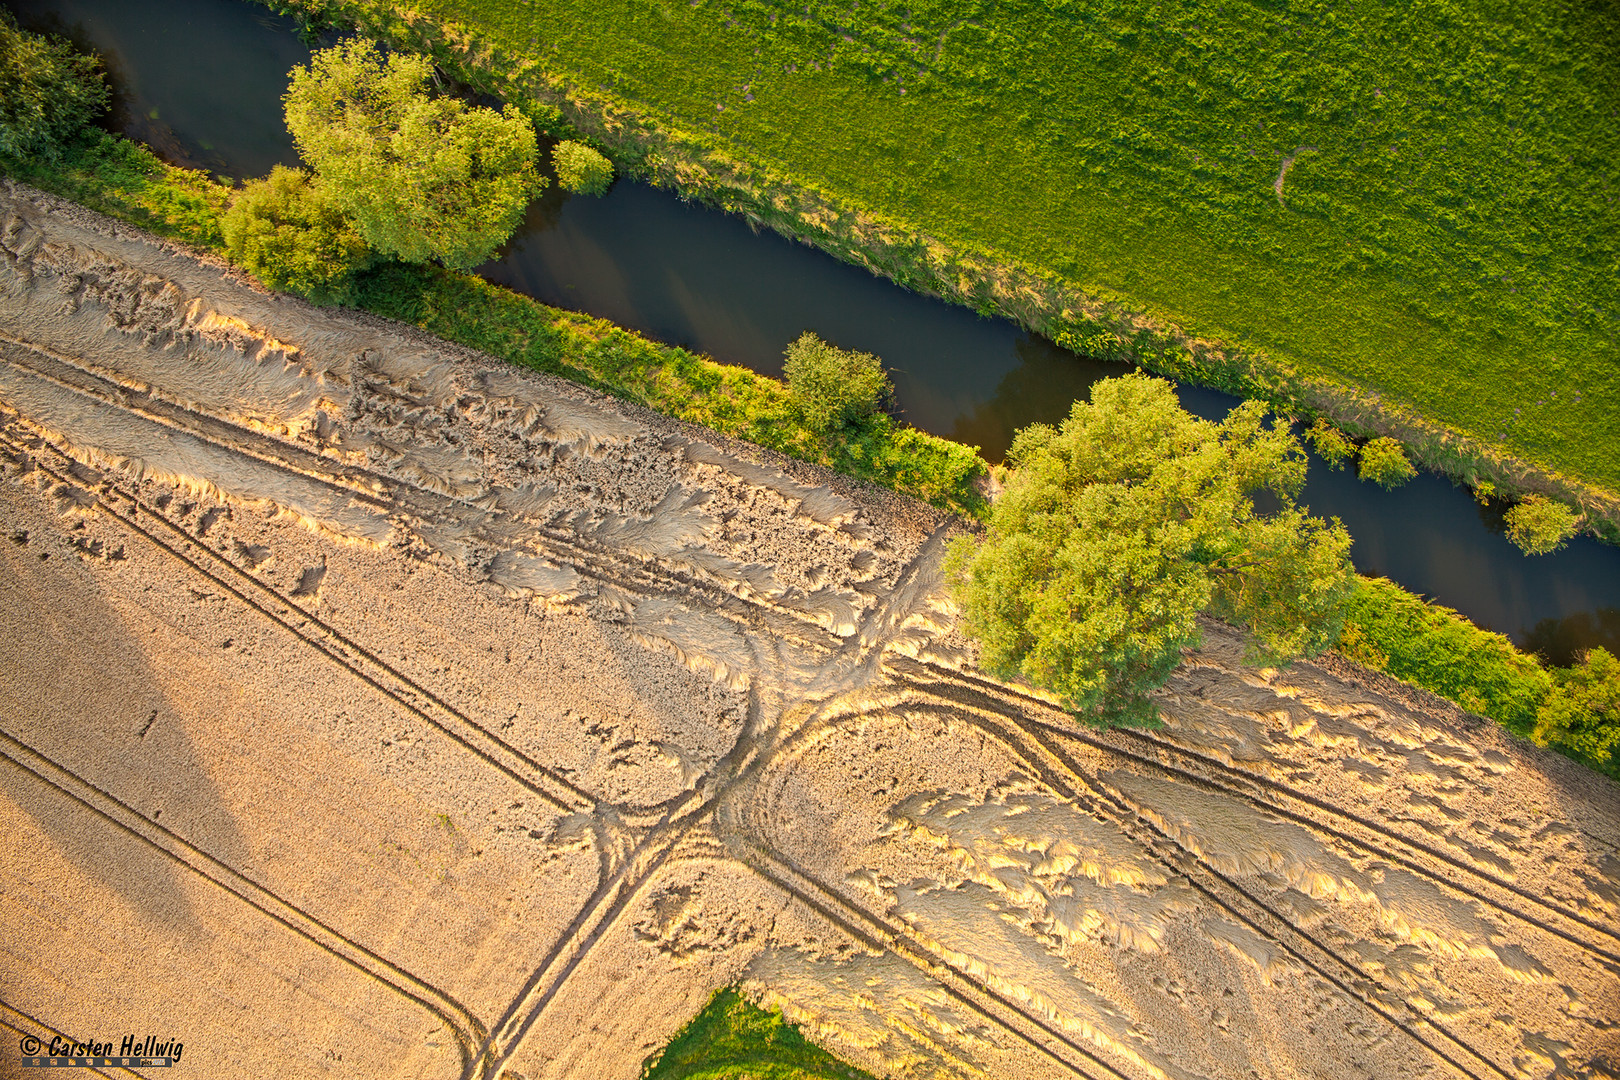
(372, 709)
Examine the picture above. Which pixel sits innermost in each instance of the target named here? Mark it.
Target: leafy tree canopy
(1540, 526)
(282, 230)
(1384, 462)
(833, 388)
(1583, 711)
(581, 168)
(1118, 528)
(421, 177)
(48, 92)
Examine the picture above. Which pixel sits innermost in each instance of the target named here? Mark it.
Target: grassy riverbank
(126, 181)
(1435, 263)
(1389, 629)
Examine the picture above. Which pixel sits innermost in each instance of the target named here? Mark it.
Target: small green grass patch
(733, 1039)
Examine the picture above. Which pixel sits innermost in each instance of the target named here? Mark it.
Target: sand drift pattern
(598, 712)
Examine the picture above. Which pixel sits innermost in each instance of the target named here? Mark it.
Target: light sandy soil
(371, 709)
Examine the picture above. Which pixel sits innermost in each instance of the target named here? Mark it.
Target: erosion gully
(200, 81)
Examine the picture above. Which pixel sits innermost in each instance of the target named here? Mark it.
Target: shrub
(48, 93)
(421, 177)
(1391, 629)
(1384, 463)
(581, 168)
(1582, 712)
(1539, 525)
(833, 388)
(1331, 444)
(1118, 529)
(283, 232)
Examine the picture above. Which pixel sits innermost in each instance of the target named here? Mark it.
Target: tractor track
(1066, 776)
(391, 496)
(1273, 797)
(466, 1029)
(877, 932)
(997, 709)
(614, 891)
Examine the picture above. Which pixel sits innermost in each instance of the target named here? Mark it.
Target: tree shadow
(82, 692)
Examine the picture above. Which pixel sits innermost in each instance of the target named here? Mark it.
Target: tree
(421, 177)
(581, 168)
(48, 92)
(1383, 461)
(1582, 712)
(1118, 528)
(281, 230)
(1331, 444)
(833, 388)
(1540, 526)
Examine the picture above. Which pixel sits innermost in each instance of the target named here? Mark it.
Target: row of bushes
(1573, 710)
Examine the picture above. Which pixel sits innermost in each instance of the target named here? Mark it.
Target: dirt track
(371, 709)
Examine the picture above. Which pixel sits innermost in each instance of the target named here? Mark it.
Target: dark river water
(201, 81)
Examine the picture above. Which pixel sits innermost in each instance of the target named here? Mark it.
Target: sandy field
(371, 709)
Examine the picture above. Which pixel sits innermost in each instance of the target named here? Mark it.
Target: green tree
(581, 168)
(1582, 712)
(1330, 444)
(1118, 528)
(1540, 526)
(48, 92)
(833, 388)
(1383, 461)
(283, 232)
(421, 177)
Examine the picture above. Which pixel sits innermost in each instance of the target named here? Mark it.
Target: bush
(48, 93)
(1392, 630)
(421, 177)
(1331, 444)
(285, 234)
(1581, 715)
(833, 388)
(1539, 525)
(1118, 529)
(1384, 463)
(581, 168)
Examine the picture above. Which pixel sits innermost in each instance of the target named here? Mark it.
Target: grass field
(732, 1039)
(1446, 235)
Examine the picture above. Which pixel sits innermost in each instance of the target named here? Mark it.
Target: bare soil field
(369, 708)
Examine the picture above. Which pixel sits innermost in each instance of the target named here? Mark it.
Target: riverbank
(1562, 448)
(1441, 651)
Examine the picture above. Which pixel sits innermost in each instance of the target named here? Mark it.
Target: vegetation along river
(201, 82)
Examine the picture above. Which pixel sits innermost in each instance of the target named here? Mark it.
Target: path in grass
(1445, 234)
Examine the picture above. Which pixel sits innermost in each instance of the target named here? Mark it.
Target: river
(201, 82)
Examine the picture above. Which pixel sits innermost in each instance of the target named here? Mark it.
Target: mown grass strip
(1435, 262)
(733, 1039)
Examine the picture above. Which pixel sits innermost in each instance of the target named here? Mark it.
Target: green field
(732, 1039)
(1449, 240)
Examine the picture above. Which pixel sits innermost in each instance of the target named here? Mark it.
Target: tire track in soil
(607, 567)
(391, 495)
(465, 1028)
(1218, 888)
(1268, 795)
(332, 643)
